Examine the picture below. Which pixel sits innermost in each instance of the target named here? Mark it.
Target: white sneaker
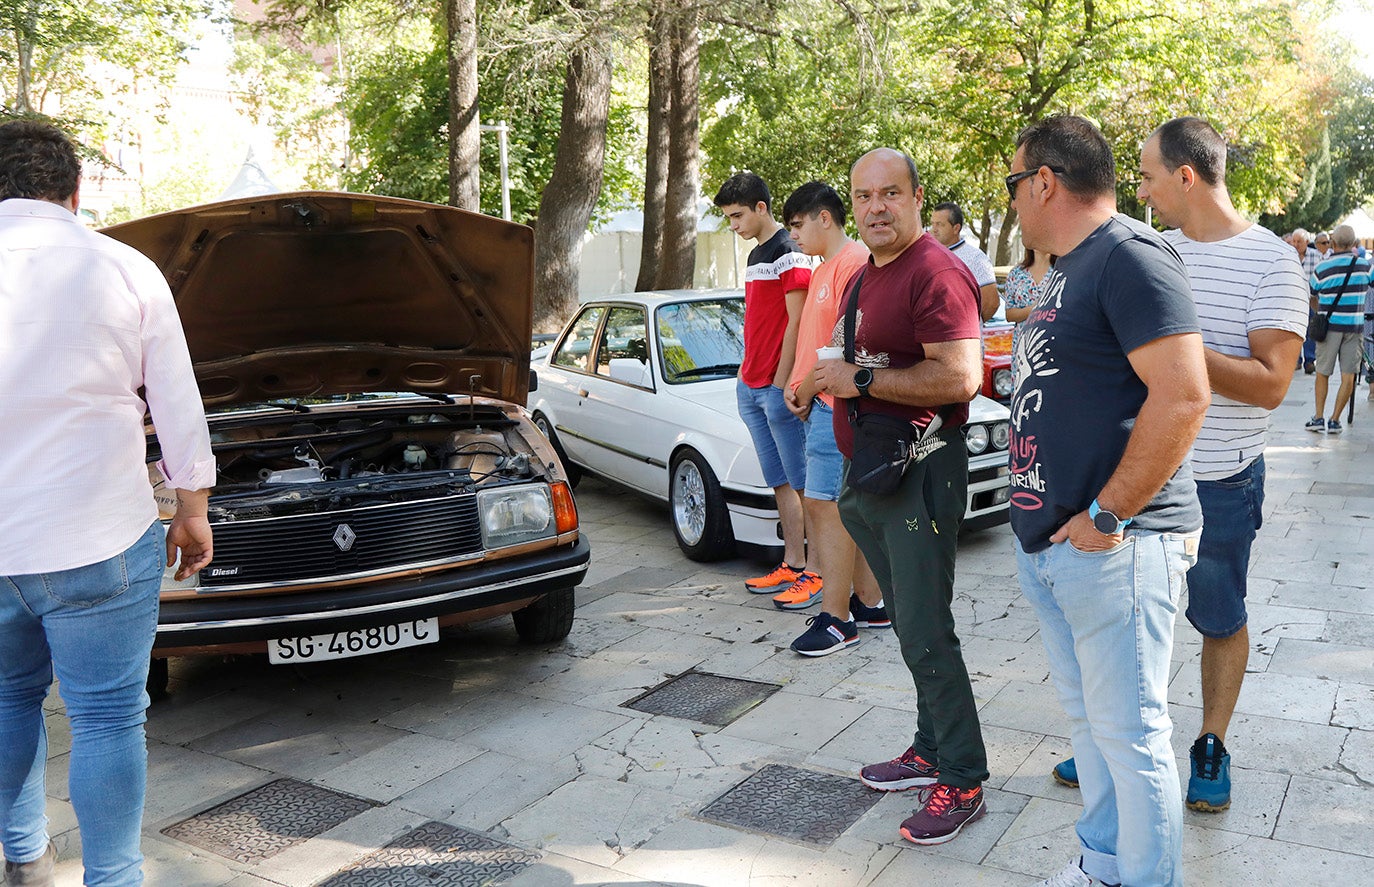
(1072, 875)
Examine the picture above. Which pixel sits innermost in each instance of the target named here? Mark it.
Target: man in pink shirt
(89, 342)
(815, 215)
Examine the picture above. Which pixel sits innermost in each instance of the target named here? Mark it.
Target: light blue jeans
(779, 436)
(94, 626)
(1107, 622)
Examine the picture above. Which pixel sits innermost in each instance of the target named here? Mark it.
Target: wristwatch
(1104, 521)
(862, 379)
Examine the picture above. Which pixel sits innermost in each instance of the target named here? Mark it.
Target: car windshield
(701, 340)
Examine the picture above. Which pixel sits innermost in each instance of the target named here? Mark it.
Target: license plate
(359, 642)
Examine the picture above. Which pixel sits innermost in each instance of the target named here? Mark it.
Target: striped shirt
(1248, 282)
(1331, 287)
(977, 262)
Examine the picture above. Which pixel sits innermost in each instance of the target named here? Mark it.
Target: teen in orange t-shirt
(814, 215)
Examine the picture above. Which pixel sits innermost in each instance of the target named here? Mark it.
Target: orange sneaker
(800, 594)
(781, 575)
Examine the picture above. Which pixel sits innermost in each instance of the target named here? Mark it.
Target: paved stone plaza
(478, 761)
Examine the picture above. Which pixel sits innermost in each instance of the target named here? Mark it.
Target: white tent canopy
(1362, 222)
(251, 181)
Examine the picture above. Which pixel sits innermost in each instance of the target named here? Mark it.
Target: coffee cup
(830, 352)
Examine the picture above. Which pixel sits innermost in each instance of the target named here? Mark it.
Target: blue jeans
(1232, 513)
(94, 626)
(1107, 622)
(779, 437)
(824, 464)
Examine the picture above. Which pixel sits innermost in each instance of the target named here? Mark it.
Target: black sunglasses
(1017, 178)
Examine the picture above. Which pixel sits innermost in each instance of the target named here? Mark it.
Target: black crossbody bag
(884, 446)
(1321, 323)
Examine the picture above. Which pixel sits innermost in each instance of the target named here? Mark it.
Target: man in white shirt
(89, 341)
(947, 224)
(1252, 308)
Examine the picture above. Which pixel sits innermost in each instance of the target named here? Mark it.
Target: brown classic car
(364, 362)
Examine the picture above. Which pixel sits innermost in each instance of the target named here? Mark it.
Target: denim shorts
(779, 436)
(824, 464)
(1232, 512)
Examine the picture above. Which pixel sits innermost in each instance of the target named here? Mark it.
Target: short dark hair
(956, 215)
(810, 199)
(1072, 144)
(1193, 141)
(37, 161)
(745, 189)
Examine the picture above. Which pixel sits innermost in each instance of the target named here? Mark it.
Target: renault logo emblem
(344, 537)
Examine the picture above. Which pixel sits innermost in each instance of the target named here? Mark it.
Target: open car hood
(318, 293)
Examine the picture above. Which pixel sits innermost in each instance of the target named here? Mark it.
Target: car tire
(547, 620)
(157, 679)
(571, 471)
(701, 521)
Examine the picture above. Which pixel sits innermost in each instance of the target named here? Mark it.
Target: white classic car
(639, 389)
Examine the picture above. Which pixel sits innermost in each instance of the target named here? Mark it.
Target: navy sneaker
(825, 636)
(1333, 426)
(1066, 773)
(1209, 786)
(1317, 424)
(868, 617)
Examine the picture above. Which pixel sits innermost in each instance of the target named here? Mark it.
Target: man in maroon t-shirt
(918, 356)
(775, 282)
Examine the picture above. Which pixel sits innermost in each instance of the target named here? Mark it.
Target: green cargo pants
(910, 538)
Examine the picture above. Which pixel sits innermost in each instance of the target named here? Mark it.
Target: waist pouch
(884, 446)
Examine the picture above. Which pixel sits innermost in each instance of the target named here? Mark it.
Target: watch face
(1106, 523)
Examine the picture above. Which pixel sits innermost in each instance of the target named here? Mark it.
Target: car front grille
(346, 541)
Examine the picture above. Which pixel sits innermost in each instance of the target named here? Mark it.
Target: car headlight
(511, 515)
(1003, 383)
(976, 437)
(1001, 435)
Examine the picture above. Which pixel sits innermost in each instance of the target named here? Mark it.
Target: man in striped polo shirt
(1338, 286)
(1247, 285)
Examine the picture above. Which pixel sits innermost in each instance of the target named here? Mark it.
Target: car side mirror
(631, 370)
(534, 381)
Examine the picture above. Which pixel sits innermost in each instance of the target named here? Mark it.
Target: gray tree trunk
(464, 136)
(1004, 237)
(565, 209)
(684, 142)
(656, 154)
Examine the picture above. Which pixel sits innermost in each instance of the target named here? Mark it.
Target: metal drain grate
(708, 698)
(267, 820)
(801, 805)
(436, 855)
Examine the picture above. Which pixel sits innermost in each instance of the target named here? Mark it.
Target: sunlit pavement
(550, 780)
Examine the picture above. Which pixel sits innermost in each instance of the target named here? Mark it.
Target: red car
(997, 379)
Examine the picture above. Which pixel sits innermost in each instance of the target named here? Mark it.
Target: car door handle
(582, 392)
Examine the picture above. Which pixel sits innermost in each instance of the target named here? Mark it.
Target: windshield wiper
(712, 369)
(288, 405)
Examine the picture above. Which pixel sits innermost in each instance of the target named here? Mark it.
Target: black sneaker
(825, 636)
(868, 617)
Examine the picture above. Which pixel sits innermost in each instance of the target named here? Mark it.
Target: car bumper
(208, 622)
(989, 486)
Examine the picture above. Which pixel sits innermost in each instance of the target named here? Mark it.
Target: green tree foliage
(71, 60)
(397, 111)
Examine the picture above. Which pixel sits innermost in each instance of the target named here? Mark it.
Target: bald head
(886, 194)
(890, 155)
